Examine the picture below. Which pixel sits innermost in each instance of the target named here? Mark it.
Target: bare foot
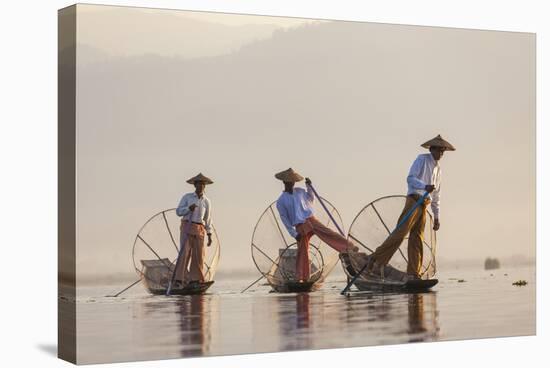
(352, 249)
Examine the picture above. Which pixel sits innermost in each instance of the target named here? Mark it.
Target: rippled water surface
(138, 326)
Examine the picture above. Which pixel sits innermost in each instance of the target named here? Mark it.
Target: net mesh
(378, 219)
(274, 250)
(156, 247)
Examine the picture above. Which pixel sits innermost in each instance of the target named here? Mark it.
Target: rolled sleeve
(435, 200)
(309, 194)
(435, 206)
(208, 218)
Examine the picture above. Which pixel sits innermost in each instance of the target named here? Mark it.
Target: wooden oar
(403, 220)
(183, 240)
(123, 290)
(326, 209)
(254, 283)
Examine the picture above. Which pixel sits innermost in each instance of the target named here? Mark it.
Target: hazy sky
(120, 31)
(162, 95)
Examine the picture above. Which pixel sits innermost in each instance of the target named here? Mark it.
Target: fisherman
(424, 176)
(196, 215)
(295, 206)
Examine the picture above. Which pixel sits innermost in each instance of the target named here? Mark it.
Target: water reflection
(318, 320)
(302, 311)
(291, 322)
(294, 317)
(153, 327)
(188, 318)
(423, 322)
(194, 325)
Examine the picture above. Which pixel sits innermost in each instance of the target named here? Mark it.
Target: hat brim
(200, 181)
(447, 147)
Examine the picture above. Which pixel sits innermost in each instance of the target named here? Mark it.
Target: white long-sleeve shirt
(425, 170)
(295, 208)
(202, 213)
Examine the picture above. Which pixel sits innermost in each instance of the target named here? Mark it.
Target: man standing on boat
(295, 206)
(196, 216)
(424, 176)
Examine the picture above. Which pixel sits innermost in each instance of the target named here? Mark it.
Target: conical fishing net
(156, 247)
(274, 250)
(378, 219)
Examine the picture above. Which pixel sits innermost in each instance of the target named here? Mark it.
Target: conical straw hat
(200, 178)
(289, 175)
(438, 142)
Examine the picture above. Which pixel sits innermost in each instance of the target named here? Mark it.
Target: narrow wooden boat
(156, 275)
(392, 279)
(369, 229)
(194, 288)
(282, 275)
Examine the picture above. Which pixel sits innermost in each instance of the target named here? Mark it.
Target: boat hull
(157, 273)
(393, 280)
(195, 288)
(411, 286)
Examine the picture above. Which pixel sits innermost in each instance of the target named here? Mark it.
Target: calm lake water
(138, 326)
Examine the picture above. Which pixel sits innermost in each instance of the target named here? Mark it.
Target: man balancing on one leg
(196, 215)
(424, 176)
(295, 206)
